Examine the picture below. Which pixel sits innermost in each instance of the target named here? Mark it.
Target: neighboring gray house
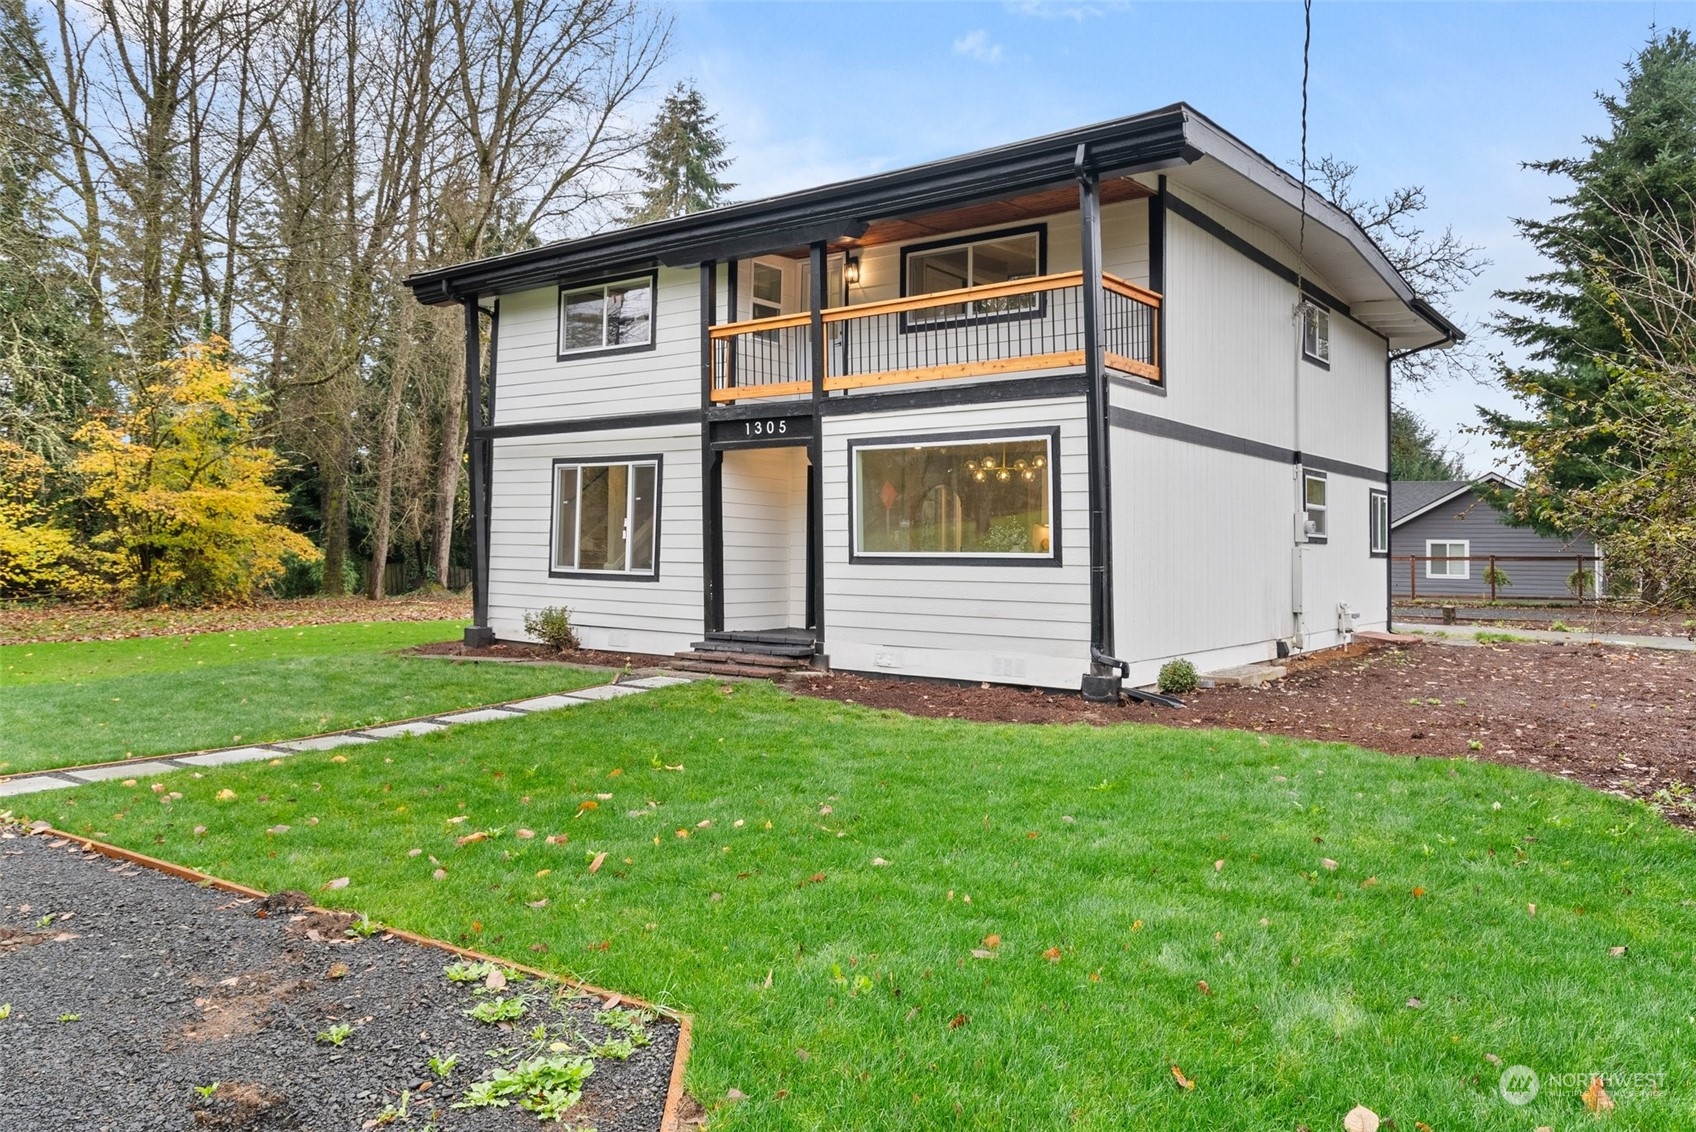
(1444, 532)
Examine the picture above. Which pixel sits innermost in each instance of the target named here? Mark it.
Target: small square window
(1448, 559)
(1313, 489)
(1316, 334)
(1378, 521)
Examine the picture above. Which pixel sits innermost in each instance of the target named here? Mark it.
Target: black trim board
(1049, 433)
(593, 424)
(1150, 425)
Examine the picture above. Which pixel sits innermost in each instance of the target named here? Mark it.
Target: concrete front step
(726, 668)
(799, 650)
(1243, 676)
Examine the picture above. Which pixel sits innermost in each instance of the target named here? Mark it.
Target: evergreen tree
(1415, 453)
(1643, 170)
(682, 159)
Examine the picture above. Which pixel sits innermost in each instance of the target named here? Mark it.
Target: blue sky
(1451, 96)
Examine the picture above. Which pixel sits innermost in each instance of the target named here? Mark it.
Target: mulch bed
(143, 989)
(1618, 719)
(518, 650)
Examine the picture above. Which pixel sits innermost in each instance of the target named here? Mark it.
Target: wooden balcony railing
(1020, 326)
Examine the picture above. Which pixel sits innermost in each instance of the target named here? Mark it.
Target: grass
(1501, 638)
(1109, 872)
(94, 701)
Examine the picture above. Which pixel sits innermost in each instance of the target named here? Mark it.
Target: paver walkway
(61, 779)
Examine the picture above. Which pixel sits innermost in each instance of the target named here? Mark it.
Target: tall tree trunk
(400, 366)
(447, 476)
(334, 479)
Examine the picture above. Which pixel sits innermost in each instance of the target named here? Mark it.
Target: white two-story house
(1065, 408)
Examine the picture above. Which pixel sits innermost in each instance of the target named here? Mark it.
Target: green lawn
(1120, 869)
(63, 704)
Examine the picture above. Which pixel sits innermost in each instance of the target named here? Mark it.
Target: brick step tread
(789, 651)
(758, 660)
(756, 637)
(720, 668)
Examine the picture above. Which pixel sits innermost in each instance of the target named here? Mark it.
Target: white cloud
(1063, 9)
(976, 45)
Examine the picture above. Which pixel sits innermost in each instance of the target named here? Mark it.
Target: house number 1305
(766, 428)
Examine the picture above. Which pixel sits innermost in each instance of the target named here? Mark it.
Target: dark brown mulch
(1618, 719)
(517, 650)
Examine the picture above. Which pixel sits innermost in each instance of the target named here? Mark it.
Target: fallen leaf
(542, 903)
(1418, 892)
(338, 971)
(415, 852)
(1219, 864)
(879, 862)
(683, 833)
(332, 885)
(456, 820)
(1136, 925)
(1369, 882)
(1183, 1082)
(472, 838)
(1360, 1119)
(278, 829)
(1616, 952)
(1201, 985)
(586, 805)
(705, 823)
(200, 831)
(1416, 1003)
(816, 878)
(957, 1021)
(1492, 1059)
(1052, 955)
(824, 809)
(992, 941)
(557, 839)
(1421, 1126)
(128, 782)
(981, 953)
(226, 795)
(600, 859)
(496, 980)
(524, 834)
(1596, 1098)
(604, 797)
(1531, 909)
(1330, 865)
(440, 874)
(338, 758)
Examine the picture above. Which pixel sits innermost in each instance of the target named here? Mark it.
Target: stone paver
(234, 755)
(71, 776)
(33, 783)
(545, 703)
(607, 692)
(396, 730)
(122, 770)
(324, 742)
(481, 715)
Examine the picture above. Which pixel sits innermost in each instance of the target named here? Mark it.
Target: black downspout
(818, 274)
(1105, 678)
(478, 635)
(711, 474)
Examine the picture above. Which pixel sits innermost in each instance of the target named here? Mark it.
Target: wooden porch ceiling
(983, 214)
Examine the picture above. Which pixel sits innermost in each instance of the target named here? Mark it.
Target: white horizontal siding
(1013, 624)
(659, 616)
(532, 384)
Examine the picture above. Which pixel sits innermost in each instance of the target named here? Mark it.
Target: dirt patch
(1600, 619)
(547, 654)
(244, 1105)
(240, 1004)
(1619, 719)
(24, 624)
(15, 939)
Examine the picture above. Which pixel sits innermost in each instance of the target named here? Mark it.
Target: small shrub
(552, 626)
(1178, 677)
(1581, 582)
(1497, 577)
(305, 578)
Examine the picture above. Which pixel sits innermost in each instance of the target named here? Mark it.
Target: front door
(764, 525)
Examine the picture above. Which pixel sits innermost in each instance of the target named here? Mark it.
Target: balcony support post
(479, 634)
(712, 508)
(1103, 681)
(817, 278)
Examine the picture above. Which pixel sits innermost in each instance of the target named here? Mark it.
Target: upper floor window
(976, 261)
(1313, 489)
(615, 315)
(1316, 334)
(1378, 521)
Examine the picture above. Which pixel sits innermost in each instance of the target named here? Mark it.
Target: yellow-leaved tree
(39, 556)
(183, 487)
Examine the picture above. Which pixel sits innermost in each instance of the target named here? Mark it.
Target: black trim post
(1102, 682)
(730, 308)
(1157, 273)
(818, 274)
(478, 635)
(712, 536)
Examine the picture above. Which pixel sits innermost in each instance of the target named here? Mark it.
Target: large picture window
(987, 499)
(606, 517)
(615, 315)
(998, 257)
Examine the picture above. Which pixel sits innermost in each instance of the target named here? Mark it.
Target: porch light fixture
(851, 270)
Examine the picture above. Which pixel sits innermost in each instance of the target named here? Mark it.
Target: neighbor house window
(1313, 487)
(606, 517)
(1378, 521)
(1316, 334)
(998, 257)
(966, 498)
(1448, 559)
(617, 315)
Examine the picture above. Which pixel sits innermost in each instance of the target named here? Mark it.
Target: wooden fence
(1581, 583)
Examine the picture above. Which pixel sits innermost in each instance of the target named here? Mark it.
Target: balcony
(1022, 326)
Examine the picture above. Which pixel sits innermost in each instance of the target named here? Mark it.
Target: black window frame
(1377, 498)
(563, 355)
(1040, 310)
(1324, 536)
(1054, 557)
(658, 461)
(1309, 309)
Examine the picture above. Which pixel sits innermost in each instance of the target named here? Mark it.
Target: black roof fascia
(1138, 144)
